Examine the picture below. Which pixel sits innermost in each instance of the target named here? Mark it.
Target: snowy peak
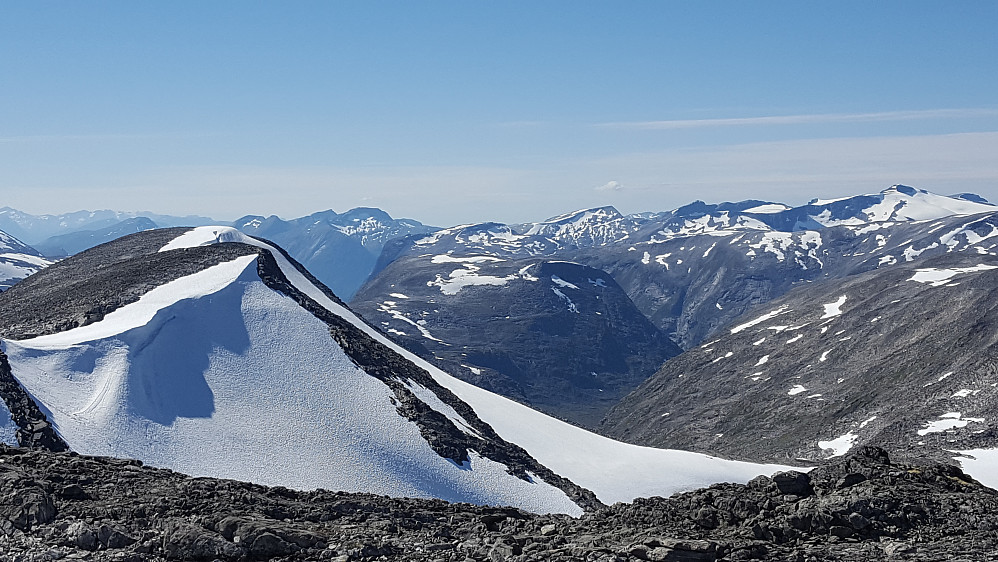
(340, 249)
(898, 203)
(588, 227)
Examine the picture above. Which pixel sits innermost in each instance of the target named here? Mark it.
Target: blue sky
(453, 112)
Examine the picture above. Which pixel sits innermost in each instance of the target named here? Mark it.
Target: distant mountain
(903, 357)
(696, 268)
(340, 249)
(560, 336)
(74, 242)
(17, 260)
(37, 228)
(213, 353)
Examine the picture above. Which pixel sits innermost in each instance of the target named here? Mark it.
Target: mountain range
(708, 344)
(214, 353)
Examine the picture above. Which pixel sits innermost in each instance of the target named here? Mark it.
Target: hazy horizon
(452, 112)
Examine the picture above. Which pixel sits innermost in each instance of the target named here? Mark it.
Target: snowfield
(216, 374)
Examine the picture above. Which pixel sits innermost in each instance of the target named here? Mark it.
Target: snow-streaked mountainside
(903, 357)
(695, 269)
(213, 353)
(560, 336)
(340, 249)
(17, 261)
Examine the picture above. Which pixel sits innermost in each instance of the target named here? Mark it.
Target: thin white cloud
(610, 186)
(806, 119)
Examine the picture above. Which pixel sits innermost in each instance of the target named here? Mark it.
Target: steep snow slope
(217, 373)
(613, 470)
(225, 406)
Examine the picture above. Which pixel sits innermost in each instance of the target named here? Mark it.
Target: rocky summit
(62, 506)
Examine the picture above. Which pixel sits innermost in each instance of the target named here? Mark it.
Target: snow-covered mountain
(903, 357)
(340, 249)
(17, 260)
(213, 353)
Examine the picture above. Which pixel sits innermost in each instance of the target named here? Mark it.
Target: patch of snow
(388, 307)
(725, 356)
(447, 258)
(776, 243)
(525, 276)
(768, 208)
(795, 338)
(564, 297)
(562, 283)
(768, 316)
(398, 295)
(964, 392)
(796, 389)
(937, 277)
(867, 421)
(762, 360)
(840, 445)
(646, 259)
(982, 464)
(824, 356)
(833, 309)
(910, 253)
(949, 420)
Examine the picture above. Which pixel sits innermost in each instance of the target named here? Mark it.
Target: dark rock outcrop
(120, 510)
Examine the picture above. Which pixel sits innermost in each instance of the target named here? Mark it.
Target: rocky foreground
(62, 506)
